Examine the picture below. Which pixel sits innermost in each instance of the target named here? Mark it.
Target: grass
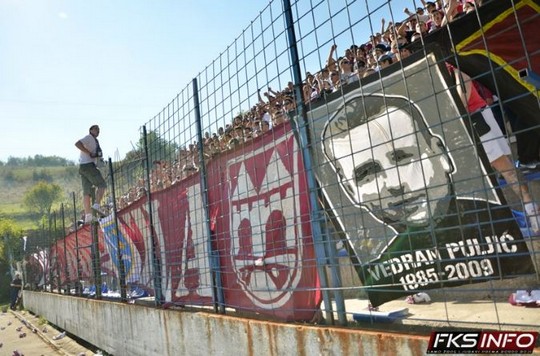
(42, 321)
(17, 213)
(16, 181)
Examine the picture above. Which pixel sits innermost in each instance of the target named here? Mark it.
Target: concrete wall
(127, 329)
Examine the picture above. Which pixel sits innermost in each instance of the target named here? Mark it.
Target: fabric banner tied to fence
(403, 177)
(406, 179)
(259, 225)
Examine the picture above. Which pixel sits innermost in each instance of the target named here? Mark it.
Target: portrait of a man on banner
(409, 187)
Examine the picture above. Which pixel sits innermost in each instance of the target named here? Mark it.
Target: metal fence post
(96, 260)
(217, 290)
(49, 257)
(66, 271)
(301, 131)
(78, 289)
(121, 267)
(56, 264)
(155, 260)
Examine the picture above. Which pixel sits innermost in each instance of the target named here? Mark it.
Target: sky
(68, 64)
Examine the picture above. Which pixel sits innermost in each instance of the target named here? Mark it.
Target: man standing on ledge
(90, 175)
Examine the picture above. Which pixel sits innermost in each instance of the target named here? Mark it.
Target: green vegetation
(11, 234)
(40, 198)
(47, 183)
(10, 249)
(158, 148)
(42, 321)
(20, 176)
(37, 161)
(17, 179)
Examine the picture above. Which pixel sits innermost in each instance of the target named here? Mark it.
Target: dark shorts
(91, 177)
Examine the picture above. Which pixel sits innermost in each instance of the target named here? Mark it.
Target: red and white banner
(259, 223)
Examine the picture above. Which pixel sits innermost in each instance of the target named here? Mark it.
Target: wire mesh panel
(337, 156)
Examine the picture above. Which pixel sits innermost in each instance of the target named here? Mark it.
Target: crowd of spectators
(261, 118)
(387, 47)
(383, 49)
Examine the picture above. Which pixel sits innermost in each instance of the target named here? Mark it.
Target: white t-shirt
(349, 78)
(423, 18)
(266, 117)
(89, 142)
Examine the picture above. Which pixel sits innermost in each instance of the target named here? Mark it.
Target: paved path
(22, 332)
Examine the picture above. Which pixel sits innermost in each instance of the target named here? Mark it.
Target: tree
(37, 161)
(40, 198)
(43, 175)
(132, 166)
(158, 148)
(11, 249)
(10, 238)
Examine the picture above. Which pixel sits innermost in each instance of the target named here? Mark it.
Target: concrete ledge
(127, 329)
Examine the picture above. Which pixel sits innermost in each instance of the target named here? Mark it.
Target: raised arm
(261, 101)
(407, 11)
(331, 61)
(450, 11)
(463, 86)
(401, 30)
(273, 92)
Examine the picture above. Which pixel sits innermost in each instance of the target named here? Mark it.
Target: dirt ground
(23, 332)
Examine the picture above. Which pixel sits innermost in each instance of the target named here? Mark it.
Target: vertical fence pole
(56, 267)
(43, 255)
(96, 260)
(301, 131)
(78, 287)
(217, 290)
(49, 257)
(121, 268)
(155, 260)
(66, 271)
(336, 280)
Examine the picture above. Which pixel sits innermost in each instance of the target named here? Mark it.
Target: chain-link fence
(335, 152)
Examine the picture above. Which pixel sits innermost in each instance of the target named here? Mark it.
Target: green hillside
(16, 180)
